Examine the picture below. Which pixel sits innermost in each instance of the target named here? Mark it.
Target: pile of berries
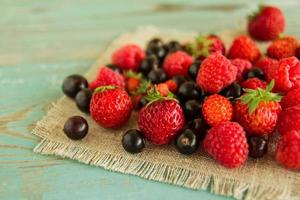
(199, 95)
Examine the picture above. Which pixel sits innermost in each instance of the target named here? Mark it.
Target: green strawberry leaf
(103, 88)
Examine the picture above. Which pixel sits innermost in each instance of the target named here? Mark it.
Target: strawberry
(283, 47)
(257, 110)
(161, 119)
(163, 89)
(107, 76)
(243, 66)
(172, 86)
(227, 144)
(110, 106)
(205, 45)
(245, 48)
(288, 150)
(133, 81)
(216, 109)
(289, 120)
(286, 74)
(266, 64)
(128, 57)
(254, 83)
(266, 24)
(177, 64)
(292, 98)
(216, 73)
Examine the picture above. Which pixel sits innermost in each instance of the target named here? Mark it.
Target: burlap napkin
(258, 179)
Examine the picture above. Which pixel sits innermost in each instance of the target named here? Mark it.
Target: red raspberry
(227, 144)
(254, 83)
(266, 24)
(283, 47)
(286, 74)
(243, 66)
(107, 76)
(216, 73)
(292, 98)
(288, 150)
(217, 109)
(245, 48)
(110, 107)
(177, 63)
(128, 57)
(289, 120)
(266, 64)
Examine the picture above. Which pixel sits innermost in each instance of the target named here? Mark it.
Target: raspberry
(216, 73)
(286, 74)
(283, 47)
(227, 144)
(177, 64)
(217, 109)
(289, 120)
(254, 83)
(292, 98)
(107, 76)
(266, 64)
(288, 150)
(243, 66)
(128, 57)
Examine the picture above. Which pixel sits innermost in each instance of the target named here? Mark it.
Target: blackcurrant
(255, 72)
(193, 69)
(173, 46)
(192, 109)
(157, 76)
(133, 141)
(234, 90)
(199, 126)
(73, 84)
(258, 146)
(115, 68)
(148, 64)
(76, 128)
(189, 90)
(187, 142)
(83, 99)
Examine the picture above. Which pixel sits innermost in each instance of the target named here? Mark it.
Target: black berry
(193, 69)
(133, 141)
(173, 46)
(148, 64)
(234, 90)
(83, 99)
(155, 42)
(199, 126)
(115, 68)
(189, 90)
(159, 52)
(73, 84)
(186, 142)
(157, 76)
(76, 128)
(192, 109)
(255, 72)
(258, 146)
(141, 103)
(179, 79)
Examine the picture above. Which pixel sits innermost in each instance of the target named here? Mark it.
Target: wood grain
(43, 41)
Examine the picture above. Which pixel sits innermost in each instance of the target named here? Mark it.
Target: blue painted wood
(41, 42)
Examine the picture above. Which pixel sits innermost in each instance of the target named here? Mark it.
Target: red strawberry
(267, 24)
(227, 144)
(289, 120)
(292, 98)
(177, 63)
(257, 110)
(172, 86)
(107, 76)
(243, 66)
(288, 150)
(286, 74)
(216, 73)
(128, 57)
(110, 106)
(217, 109)
(283, 47)
(133, 81)
(206, 45)
(254, 83)
(161, 119)
(163, 89)
(245, 48)
(266, 64)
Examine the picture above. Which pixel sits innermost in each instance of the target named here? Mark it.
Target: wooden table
(41, 42)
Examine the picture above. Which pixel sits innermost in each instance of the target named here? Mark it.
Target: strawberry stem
(103, 88)
(154, 95)
(254, 97)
